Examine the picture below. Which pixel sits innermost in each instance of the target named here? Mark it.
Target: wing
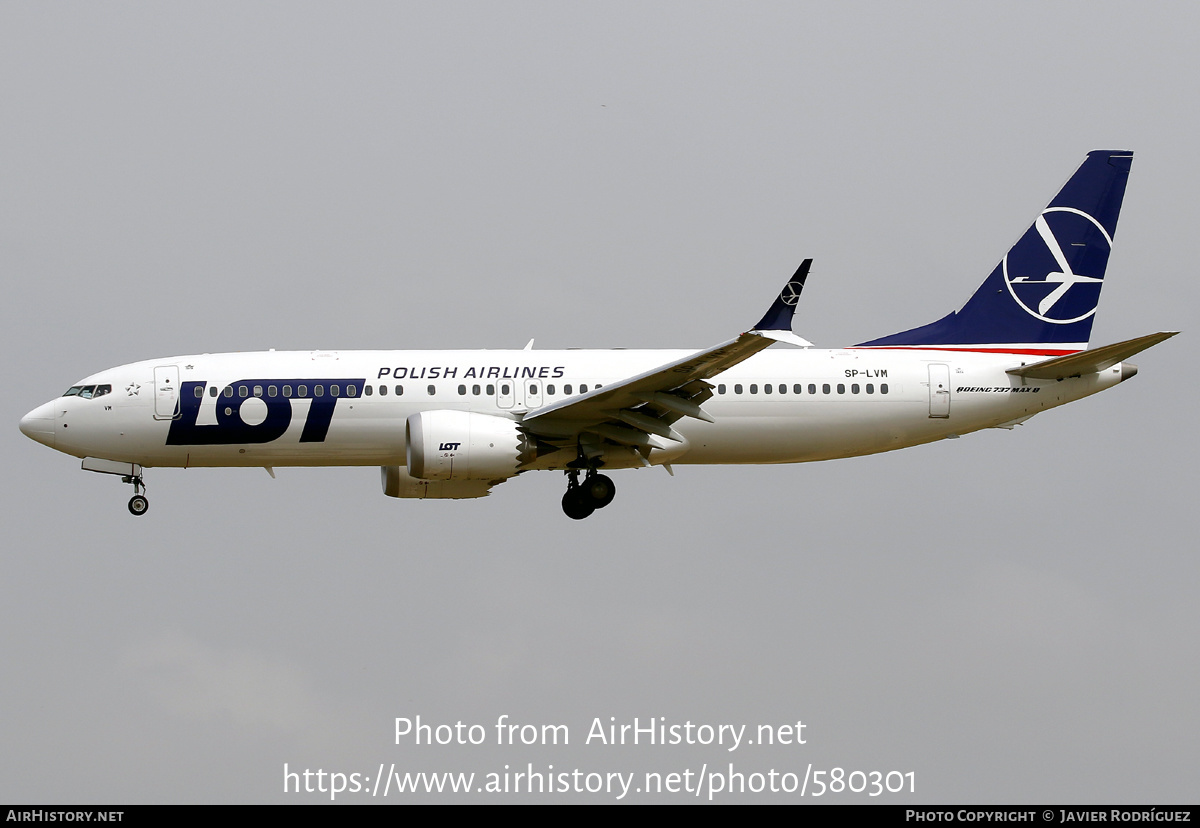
(641, 410)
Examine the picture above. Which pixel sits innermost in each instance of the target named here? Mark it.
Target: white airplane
(453, 424)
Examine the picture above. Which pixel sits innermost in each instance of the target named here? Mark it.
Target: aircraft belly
(361, 441)
(811, 432)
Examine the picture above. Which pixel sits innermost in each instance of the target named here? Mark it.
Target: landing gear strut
(138, 504)
(581, 499)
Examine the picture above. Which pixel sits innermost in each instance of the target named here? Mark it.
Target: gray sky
(1011, 616)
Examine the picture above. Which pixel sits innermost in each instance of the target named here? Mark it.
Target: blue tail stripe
(1046, 289)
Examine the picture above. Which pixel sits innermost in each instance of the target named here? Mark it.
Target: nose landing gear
(596, 492)
(138, 504)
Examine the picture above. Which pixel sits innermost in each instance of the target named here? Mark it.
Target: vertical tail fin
(1042, 296)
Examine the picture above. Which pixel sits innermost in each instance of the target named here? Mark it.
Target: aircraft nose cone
(39, 424)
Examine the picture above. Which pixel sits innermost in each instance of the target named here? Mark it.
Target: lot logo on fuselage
(272, 413)
(1049, 272)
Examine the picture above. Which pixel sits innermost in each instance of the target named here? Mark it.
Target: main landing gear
(581, 499)
(138, 504)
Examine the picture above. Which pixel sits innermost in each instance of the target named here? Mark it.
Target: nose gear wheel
(138, 504)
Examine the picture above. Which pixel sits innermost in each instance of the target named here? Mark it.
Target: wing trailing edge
(639, 411)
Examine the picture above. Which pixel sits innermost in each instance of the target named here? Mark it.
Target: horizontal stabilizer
(1089, 362)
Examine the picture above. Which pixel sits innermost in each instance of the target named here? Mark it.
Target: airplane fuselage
(280, 408)
(453, 424)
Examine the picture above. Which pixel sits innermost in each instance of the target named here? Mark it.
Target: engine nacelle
(462, 445)
(397, 482)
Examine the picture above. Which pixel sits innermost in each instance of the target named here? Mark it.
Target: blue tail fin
(1042, 296)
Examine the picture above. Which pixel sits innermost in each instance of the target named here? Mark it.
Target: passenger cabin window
(432, 390)
(550, 390)
(369, 390)
(243, 391)
(258, 390)
(491, 389)
(212, 391)
(797, 389)
(319, 391)
(399, 390)
(883, 388)
(737, 388)
(721, 388)
(199, 392)
(812, 388)
(287, 390)
(462, 390)
(335, 389)
(475, 390)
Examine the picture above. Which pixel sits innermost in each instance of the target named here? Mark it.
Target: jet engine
(397, 482)
(463, 445)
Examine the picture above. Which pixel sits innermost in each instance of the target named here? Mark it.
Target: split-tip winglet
(777, 323)
(779, 315)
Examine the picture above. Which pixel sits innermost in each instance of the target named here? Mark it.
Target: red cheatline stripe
(1025, 351)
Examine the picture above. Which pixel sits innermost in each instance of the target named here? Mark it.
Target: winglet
(779, 315)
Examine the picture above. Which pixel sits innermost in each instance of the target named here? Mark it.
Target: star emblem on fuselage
(132, 389)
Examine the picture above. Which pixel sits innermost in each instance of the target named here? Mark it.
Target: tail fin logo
(1048, 278)
(791, 293)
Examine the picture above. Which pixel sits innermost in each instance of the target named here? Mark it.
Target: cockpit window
(88, 391)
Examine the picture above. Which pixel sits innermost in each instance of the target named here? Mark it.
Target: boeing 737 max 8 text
(453, 424)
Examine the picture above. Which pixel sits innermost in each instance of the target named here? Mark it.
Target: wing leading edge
(639, 411)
